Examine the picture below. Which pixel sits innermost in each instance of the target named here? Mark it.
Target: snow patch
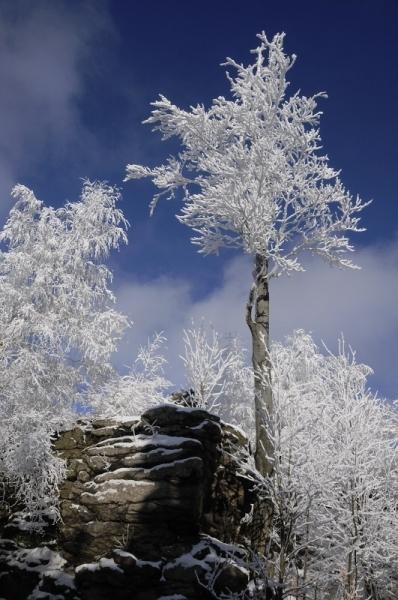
(173, 597)
(39, 560)
(103, 563)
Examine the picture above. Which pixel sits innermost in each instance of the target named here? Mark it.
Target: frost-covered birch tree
(360, 495)
(335, 484)
(58, 327)
(334, 488)
(252, 177)
(143, 386)
(217, 371)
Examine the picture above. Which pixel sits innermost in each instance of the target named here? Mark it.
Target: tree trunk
(257, 317)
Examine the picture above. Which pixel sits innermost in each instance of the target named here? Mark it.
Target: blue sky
(77, 79)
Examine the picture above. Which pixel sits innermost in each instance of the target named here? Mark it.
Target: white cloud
(361, 304)
(159, 305)
(323, 300)
(166, 305)
(42, 49)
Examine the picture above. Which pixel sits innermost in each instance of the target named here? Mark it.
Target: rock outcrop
(151, 508)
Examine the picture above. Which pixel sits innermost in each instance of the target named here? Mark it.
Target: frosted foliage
(206, 363)
(58, 326)
(144, 386)
(335, 476)
(236, 404)
(216, 370)
(250, 170)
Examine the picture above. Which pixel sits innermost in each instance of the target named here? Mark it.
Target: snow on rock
(33, 573)
(173, 597)
(39, 559)
(183, 575)
(103, 563)
(119, 491)
(142, 443)
(159, 467)
(138, 499)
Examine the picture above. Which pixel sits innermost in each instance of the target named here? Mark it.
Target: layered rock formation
(151, 508)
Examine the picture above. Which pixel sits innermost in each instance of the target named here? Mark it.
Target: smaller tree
(216, 369)
(58, 327)
(252, 178)
(335, 483)
(144, 385)
(359, 515)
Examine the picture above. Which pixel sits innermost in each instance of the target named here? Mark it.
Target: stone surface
(150, 479)
(188, 573)
(143, 507)
(33, 572)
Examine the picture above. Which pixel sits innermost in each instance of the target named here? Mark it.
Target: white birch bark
(257, 318)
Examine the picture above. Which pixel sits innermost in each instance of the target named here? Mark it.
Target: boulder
(151, 509)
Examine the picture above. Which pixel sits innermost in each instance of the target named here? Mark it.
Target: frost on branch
(250, 169)
(144, 385)
(251, 176)
(58, 327)
(335, 480)
(216, 370)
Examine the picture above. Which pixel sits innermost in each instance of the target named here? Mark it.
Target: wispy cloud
(43, 49)
(326, 301)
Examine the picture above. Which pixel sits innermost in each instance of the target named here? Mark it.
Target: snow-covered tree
(216, 370)
(360, 496)
(335, 484)
(143, 386)
(252, 177)
(206, 362)
(58, 327)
